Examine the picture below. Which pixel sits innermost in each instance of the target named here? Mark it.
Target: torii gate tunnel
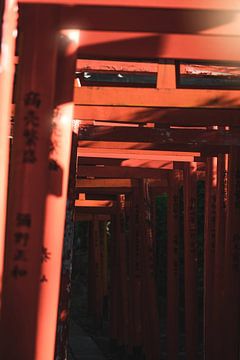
(107, 108)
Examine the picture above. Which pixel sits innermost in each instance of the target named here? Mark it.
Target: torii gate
(47, 65)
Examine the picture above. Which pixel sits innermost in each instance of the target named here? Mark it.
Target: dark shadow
(163, 21)
(150, 46)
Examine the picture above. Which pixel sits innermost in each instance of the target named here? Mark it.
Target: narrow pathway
(81, 346)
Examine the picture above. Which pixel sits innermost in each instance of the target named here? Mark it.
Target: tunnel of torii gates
(128, 144)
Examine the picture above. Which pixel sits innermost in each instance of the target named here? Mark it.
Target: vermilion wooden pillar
(173, 265)
(29, 184)
(104, 256)
(219, 308)
(209, 255)
(150, 313)
(8, 35)
(121, 239)
(136, 271)
(231, 314)
(67, 256)
(98, 301)
(190, 259)
(114, 288)
(55, 213)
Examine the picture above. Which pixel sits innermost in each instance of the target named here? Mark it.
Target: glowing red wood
(103, 183)
(8, 32)
(186, 4)
(131, 163)
(166, 76)
(136, 154)
(28, 188)
(93, 203)
(55, 212)
(200, 98)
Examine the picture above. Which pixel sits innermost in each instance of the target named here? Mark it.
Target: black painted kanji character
(24, 219)
(43, 279)
(18, 272)
(29, 156)
(32, 98)
(21, 238)
(20, 255)
(46, 255)
(31, 119)
(31, 137)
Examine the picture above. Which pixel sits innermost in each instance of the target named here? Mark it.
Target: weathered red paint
(55, 211)
(8, 35)
(28, 185)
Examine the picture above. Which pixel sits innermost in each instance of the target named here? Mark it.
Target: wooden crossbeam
(115, 66)
(167, 34)
(89, 217)
(185, 4)
(137, 154)
(119, 172)
(103, 183)
(186, 148)
(181, 98)
(149, 45)
(147, 138)
(172, 21)
(113, 186)
(94, 203)
(130, 163)
(94, 206)
(148, 114)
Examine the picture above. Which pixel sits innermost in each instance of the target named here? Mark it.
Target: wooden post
(8, 34)
(190, 259)
(232, 259)
(28, 184)
(150, 313)
(136, 271)
(122, 269)
(97, 273)
(104, 256)
(55, 213)
(209, 254)
(113, 283)
(91, 274)
(66, 74)
(173, 265)
(218, 308)
(65, 287)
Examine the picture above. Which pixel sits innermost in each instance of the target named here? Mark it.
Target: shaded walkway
(81, 346)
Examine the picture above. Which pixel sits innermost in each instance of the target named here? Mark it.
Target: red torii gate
(31, 210)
